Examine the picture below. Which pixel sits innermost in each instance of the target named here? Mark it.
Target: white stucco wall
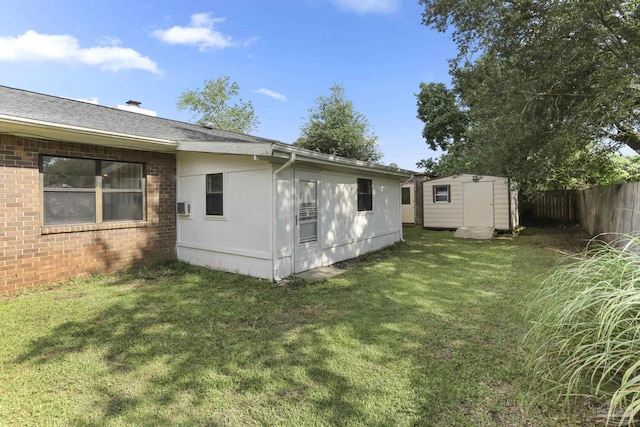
(451, 215)
(343, 231)
(284, 222)
(347, 233)
(240, 240)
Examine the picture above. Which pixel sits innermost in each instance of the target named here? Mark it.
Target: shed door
(307, 247)
(478, 203)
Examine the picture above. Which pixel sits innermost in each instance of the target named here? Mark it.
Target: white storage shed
(470, 201)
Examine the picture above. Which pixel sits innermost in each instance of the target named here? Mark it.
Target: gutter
(274, 207)
(321, 158)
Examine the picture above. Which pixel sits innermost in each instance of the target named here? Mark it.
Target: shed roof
(470, 176)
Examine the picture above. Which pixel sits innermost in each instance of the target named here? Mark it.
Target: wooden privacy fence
(556, 206)
(614, 209)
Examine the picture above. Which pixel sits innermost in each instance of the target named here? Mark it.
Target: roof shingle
(53, 109)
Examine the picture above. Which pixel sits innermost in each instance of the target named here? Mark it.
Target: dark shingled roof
(53, 109)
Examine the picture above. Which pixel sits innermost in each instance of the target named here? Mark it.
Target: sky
(282, 53)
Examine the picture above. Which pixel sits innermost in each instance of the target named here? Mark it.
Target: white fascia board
(340, 162)
(247, 148)
(60, 132)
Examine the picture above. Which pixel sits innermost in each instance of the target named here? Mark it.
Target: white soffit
(45, 130)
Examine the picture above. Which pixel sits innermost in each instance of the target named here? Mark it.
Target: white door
(307, 246)
(408, 204)
(478, 204)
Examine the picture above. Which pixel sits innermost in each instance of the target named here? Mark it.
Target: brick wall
(32, 255)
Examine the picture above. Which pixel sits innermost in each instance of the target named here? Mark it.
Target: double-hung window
(365, 195)
(80, 191)
(215, 193)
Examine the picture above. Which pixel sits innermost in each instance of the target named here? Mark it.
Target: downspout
(274, 207)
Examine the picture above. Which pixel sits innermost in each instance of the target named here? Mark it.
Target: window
(308, 211)
(121, 191)
(406, 196)
(365, 195)
(214, 194)
(77, 191)
(441, 194)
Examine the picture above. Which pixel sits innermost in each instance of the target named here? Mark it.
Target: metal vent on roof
(207, 124)
(133, 103)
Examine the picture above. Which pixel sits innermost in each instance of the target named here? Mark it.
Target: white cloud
(32, 46)
(200, 32)
(272, 94)
(109, 41)
(368, 6)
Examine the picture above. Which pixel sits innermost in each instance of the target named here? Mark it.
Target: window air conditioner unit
(183, 208)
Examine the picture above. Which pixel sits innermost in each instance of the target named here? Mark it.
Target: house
(88, 188)
(470, 201)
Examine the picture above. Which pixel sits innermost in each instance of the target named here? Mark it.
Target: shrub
(586, 331)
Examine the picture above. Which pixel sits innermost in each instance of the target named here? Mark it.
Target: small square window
(441, 194)
(365, 195)
(215, 201)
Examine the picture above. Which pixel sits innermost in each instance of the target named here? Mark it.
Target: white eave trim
(217, 147)
(57, 131)
(334, 161)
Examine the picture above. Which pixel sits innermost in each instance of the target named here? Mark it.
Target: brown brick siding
(32, 255)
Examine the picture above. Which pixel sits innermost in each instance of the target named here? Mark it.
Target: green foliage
(542, 83)
(445, 165)
(334, 127)
(438, 108)
(624, 169)
(212, 104)
(585, 339)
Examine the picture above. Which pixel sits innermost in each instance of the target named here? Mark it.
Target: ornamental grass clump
(586, 332)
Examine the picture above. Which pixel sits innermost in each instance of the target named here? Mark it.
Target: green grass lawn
(428, 332)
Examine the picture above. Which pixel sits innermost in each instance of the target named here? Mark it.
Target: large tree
(213, 105)
(545, 85)
(334, 127)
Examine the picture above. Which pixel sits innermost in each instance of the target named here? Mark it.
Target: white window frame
(224, 196)
(363, 211)
(442, 196)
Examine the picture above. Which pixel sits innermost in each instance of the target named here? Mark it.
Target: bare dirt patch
(570, 239)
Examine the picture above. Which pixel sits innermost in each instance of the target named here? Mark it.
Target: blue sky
(282, 53)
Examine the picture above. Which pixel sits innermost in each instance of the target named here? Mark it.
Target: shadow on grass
(397, 339)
